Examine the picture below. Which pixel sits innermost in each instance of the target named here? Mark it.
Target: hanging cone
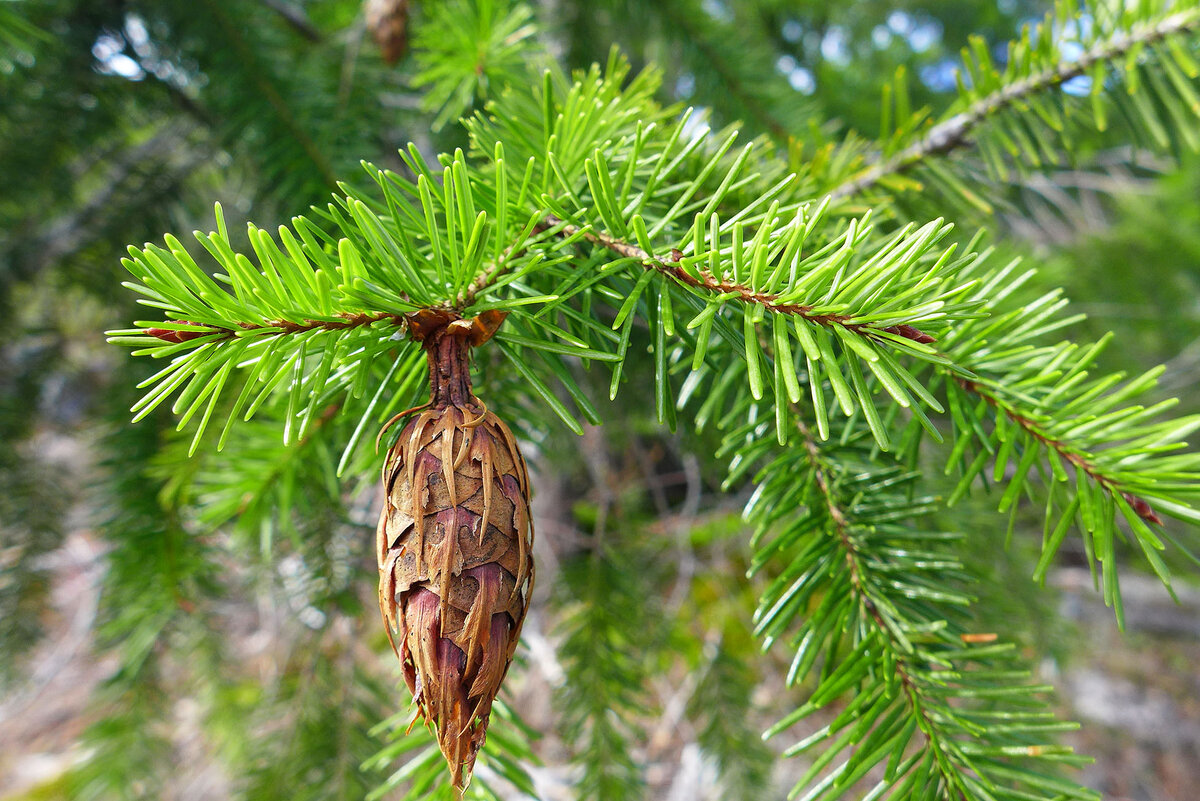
(387, 20)
(454, 544)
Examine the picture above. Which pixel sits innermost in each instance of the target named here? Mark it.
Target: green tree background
(179, 624)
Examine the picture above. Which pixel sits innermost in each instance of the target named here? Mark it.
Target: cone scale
(454, 544)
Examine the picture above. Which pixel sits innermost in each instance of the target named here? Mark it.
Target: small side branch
(295, 16)
(482, 281)
(1065, 451)
(278, 327)
(719, 286)
(842, 529)
(954, 133)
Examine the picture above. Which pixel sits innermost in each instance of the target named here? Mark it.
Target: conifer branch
(841, 527)
(718, 286)
(706, 248)
(954, 133)
(877, 596)
(245, 53)
(1068, 452)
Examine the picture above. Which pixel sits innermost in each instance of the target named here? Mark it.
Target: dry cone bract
(454, 545)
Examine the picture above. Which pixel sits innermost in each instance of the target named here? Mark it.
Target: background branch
(954, 133)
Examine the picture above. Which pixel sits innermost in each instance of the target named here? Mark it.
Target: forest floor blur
(1137, 696)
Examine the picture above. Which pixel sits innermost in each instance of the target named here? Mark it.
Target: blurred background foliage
(169, 629)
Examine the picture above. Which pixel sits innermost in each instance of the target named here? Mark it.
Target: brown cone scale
(454, 544)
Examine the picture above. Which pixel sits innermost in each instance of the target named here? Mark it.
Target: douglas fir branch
(454, 544)
(822, 307)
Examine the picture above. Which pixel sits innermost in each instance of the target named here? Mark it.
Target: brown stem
(449, 355)
(448, 339)
(496, 269)
(356, 320)
(347, 321)
(1030, 427)
(1068, 454)
(720, 286)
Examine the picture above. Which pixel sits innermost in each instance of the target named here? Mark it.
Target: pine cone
(388, 22)
(455, 544)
